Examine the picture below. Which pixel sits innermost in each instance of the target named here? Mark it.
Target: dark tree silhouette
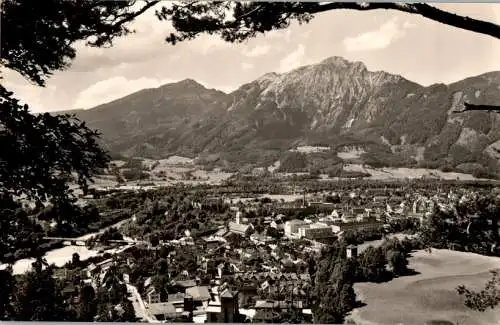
(38, 297)
(7, 284)
(41, 153)
(236, 22)
(38, 37)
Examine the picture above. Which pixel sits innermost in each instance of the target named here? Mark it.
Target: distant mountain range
(391, 121)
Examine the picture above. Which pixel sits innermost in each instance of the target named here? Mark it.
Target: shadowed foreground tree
(38, 298)
(238, 21)
(38, 37)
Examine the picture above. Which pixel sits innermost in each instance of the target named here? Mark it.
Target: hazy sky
(412, 46)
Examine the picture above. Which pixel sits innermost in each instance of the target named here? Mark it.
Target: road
(139, 306)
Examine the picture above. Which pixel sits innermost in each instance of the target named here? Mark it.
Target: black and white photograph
(250, 162)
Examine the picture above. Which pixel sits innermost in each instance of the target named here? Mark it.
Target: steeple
(238, 214)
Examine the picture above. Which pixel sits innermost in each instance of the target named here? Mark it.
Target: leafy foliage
(472, 226)
(38, 38)
(293, 162)
(489, 297)
(38, 297)
(40, 153)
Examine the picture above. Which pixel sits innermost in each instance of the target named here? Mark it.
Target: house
(199, 294)
(224, 308)
(209, 266)
(321, 205)
(240, 229)
(176, 299)
(92, 270)
(277, 224)
(105, 265)
(60, 273)
(352, 251)
(221, 232)
(380, 199)
(266, 311)
(163, 310)
(182, 285)
(212, 242)
(153, 296)
(260, 239)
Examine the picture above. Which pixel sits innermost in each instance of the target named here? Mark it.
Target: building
(163, 310)
(212, 242)
(422, 205)
(224, 308)
(365, 224)
(292, 226)
(351, 251)
(153, 297)
(322, 205)
(243, 230)
(200, 295)
(316, 231)
(266, 311)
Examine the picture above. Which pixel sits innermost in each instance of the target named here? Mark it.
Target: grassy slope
(430, 294)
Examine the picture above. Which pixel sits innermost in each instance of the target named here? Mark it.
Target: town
(256, 162)
(189, 254)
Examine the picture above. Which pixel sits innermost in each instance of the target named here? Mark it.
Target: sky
(416, 48)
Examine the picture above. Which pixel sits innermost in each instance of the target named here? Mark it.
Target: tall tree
(7, 284)
(397, 261)
(87, 307)
(38, 298)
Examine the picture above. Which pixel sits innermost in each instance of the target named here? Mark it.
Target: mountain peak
(339, 61)
(189, 82)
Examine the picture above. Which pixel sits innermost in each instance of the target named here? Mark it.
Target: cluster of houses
(270, 281)
(266, 279)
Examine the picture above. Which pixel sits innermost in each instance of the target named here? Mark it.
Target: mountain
(336, 103)
(152, 120)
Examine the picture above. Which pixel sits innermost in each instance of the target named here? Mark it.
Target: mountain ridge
(335, 102)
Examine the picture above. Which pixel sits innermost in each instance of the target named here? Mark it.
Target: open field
(350, 154)
(402, 173)
(430, 295)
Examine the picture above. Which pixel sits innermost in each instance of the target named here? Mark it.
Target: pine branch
(474, 107)
(422, 9)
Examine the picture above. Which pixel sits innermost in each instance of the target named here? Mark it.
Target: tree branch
(135, 14)
(248, 13)
(425, 10)
(474, 107)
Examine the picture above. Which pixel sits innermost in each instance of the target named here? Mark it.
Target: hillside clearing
(430, 295)
(401, 173)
